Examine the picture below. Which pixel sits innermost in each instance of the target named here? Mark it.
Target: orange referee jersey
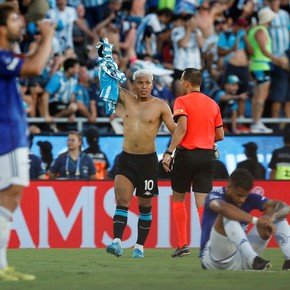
(203, 117)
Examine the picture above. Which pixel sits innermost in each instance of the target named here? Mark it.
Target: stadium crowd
(218, 37)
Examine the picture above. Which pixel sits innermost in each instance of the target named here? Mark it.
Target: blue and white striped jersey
(13, 127)
(279, 31)
(60, 88)
(93, 3)
(152, 22)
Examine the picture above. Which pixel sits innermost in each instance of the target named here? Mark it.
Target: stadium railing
(117, 124)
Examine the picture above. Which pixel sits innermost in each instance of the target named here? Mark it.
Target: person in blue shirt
(73, 164)
(224, 242)
(86, 105)
(14, 161)
(232, 47)
(230, 102)
(59, 95)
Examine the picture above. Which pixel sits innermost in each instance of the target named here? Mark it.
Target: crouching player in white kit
(224, 242)
(14, 166)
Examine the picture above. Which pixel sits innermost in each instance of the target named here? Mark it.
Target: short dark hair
(70, 62)
(241, 178)
(193, 76)
(5, 10)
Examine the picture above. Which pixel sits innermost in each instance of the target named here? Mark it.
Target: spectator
(82, 35)
(280, 162)
(120, 33)
(85, 105)
(207, 13)
(150, 29)
(228, 100)
(45, 148)
(65, 17)
(187, 41)
(279, 31)
(59, 95)
(95, 11)
(251, 163)
(260, 46)
(232, 46)
(36, 166)
(94, 151)
(73, 164)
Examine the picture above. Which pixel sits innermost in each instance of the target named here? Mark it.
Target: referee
(199, 125)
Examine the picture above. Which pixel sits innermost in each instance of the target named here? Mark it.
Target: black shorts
(279, 85)
(56, 107)
(192, 167)
(261, 76)
(141, 170)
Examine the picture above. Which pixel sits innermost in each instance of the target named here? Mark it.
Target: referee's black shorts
(192, 167)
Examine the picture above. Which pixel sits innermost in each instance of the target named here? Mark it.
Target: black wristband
(168, 152)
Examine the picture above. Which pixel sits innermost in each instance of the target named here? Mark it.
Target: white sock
(5, 218)
(238, 237)
(282, 237)
(140, 247)
(117, 240)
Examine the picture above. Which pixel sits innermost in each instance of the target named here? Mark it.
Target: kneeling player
(224, 243)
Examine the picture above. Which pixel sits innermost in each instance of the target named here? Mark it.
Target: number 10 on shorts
(149, 184)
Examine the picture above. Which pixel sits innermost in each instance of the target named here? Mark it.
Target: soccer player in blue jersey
(224, 243)
(14, 162)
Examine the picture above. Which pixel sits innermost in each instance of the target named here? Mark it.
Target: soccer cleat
(115, 249)
(260, 264)
(286, 265)
(18, 275)
(6, 277)
(181, 252)
(137, 253)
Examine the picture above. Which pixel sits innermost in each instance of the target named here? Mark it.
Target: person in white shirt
(187, 41)
(65, 17)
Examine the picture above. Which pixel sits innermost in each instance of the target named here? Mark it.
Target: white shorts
(221, 254)
(14, 168)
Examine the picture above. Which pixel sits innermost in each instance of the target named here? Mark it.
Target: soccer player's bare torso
(141, 120)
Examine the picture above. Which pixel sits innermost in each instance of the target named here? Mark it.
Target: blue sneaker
(137, 254)
(115, 249)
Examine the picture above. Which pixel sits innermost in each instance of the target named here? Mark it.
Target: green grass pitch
(86, 269)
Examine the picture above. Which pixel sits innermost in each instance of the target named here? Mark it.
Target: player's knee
(72, 107)
(10, 198)
(264, 233)
(145, 202)
(122, 198)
